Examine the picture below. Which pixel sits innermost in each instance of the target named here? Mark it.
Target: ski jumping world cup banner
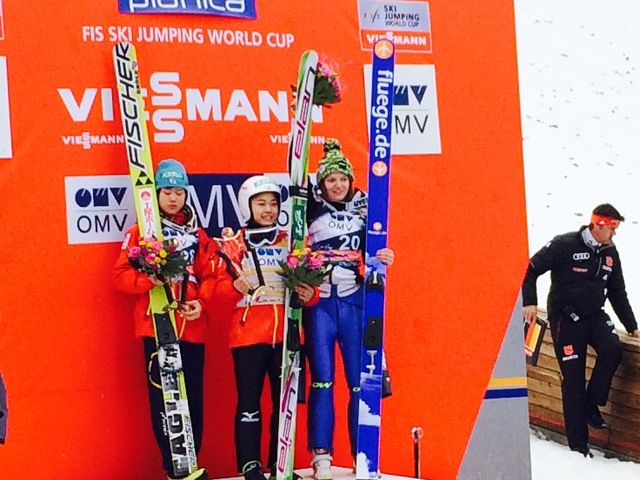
(217, 76)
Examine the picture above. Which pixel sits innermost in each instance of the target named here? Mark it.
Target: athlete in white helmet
(256, 333)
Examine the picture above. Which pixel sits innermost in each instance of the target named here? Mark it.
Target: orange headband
(604, 221)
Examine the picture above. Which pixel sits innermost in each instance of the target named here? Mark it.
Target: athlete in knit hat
(337, 223)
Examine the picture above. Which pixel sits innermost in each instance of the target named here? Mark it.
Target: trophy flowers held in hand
(160, 259)
(303, 266)
(328, 88)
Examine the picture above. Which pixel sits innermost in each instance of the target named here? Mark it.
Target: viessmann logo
(225, 8)
(173, 106)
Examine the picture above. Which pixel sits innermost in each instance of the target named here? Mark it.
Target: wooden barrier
(622, 413)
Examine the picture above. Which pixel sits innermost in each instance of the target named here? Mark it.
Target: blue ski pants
(332, 320)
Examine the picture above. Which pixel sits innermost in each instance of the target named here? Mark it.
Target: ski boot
(321, 463)
(253, 471)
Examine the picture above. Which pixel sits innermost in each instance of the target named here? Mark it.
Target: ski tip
(384, 48)
(123, 47)
(310, 56)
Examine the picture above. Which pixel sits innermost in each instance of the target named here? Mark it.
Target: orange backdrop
(73, 369)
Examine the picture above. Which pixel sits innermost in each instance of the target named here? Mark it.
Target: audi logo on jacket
(583, 275)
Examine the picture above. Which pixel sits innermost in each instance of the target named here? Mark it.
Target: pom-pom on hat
(170, 173)
(333, 161)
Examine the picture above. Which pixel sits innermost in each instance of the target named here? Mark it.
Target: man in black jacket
(585, 271)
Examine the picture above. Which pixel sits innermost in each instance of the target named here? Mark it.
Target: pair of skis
(178, 419)
(371, 376)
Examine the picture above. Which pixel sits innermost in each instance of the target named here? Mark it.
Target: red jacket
(134, 282)
(263, 323)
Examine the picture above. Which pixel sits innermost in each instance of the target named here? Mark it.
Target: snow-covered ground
(552, 461)
(579, 70)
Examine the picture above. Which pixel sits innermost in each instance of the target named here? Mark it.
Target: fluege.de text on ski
(381, 103)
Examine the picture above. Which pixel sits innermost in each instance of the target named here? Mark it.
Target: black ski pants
(251, 364)
(193, 365)
(570, 339)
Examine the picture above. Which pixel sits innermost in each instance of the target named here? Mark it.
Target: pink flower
(157, 246)
(325, 70)
(292, 262)
(150, 258)
(134, 252)
(315, 263)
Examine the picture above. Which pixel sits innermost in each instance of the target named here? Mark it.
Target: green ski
(178, 420)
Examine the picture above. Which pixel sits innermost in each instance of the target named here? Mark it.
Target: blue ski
(380, 123)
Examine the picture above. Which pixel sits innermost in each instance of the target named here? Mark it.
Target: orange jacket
(129, 280)
(263, 323)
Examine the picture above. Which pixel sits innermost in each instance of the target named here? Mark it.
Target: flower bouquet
(303, 266)
(328, 89)
(160, 259)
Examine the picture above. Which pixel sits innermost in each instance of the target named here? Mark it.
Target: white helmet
(253, 186)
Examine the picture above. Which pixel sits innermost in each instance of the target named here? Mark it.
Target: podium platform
(339, 473)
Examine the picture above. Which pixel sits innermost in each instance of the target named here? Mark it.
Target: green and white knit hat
(333, 161)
